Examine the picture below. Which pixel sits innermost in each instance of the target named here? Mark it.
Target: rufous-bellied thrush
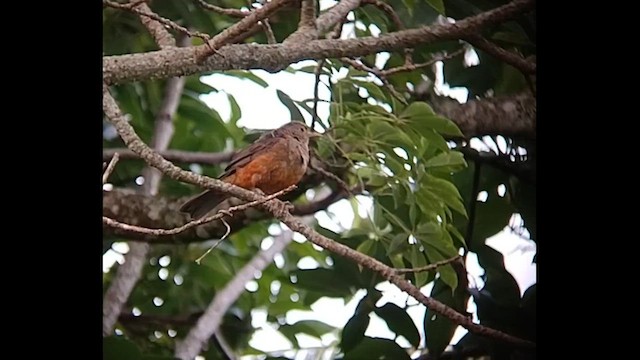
(275, 161)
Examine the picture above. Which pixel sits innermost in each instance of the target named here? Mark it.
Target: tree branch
(229, 12)
(411, 66)
(282, 213)
(390, 274)
(513, 59)
(307, 25)
(191, 224)
(162, 212)
(513, 115)
(176, 61)
(209, 322)
(110, 167)
(429, 267)
(163, 38)
(174, 156)
(332, 16)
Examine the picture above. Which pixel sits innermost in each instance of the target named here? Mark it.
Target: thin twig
(378, 73)
(331, 176)
(162, 37)
(229, 12)
(226, 233)
(429, 267)
(245, 24)
(511, 58)
(221, 213)
(411, 67)
(266, 26)
(158, 18)
(110, 167)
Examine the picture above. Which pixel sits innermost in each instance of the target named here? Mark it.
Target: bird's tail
(200, 205)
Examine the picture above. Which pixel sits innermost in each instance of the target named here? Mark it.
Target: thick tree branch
(191, 224)
(281, 212)
(163, 38)
(175, 156)
(209, 322)
(513, 116)
(161, 212)
(513, 59)
(175, 62)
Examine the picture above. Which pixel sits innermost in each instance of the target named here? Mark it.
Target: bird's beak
(313, 134)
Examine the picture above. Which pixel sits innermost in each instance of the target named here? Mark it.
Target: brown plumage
(275, 161)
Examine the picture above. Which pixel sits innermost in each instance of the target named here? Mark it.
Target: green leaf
(449, 158)
(290, 104)
(198, 86)
(377, 348)
(325, 281)
(418, 260)
(438, 5)
(399, 240)
(431, 235)
(399, 322)
(446, 191)
(119, 348)
(421, 117)
(310, 327)
(447, 274)
(373, 89)
(248, 75)
(236, 112)
(457, 235)
(410, 5)
(417, 110)
(432, 138)
(367, 247)
(353, 331)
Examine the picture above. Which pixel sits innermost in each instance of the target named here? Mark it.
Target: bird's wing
(244, 156)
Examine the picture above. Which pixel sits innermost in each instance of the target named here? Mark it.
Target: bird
(275, 161)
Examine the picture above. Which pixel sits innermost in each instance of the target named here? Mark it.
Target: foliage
(410, 161)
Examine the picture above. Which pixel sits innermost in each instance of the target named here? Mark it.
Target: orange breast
(269, 172)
